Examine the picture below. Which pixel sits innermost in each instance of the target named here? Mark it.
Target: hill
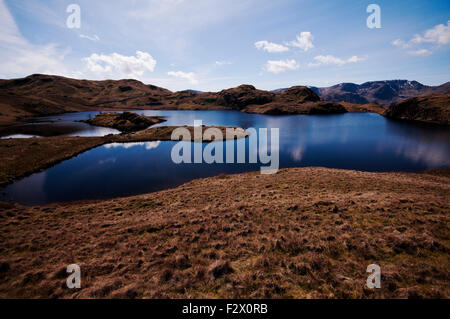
(40, 94)
(434, 108)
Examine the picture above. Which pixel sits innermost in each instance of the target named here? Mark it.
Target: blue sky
(210, 45)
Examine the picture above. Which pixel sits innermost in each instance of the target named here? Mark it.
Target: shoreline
(22, 157)
(30, 119)
(437, 173)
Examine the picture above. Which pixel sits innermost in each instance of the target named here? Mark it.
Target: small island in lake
(125, 122)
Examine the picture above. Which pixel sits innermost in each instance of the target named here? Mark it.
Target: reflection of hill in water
(65, 128)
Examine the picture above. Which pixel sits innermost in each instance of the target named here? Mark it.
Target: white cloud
(94, 38)
(401, 44)
(220, 63)
(354, 59)
(422, 52)
(19, 58)
(281, 66)
(183, 75)
(304, 41)
(332, 60)
(439, 35)
(270, 47)
(120, 65)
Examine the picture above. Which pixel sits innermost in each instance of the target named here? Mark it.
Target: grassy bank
(304, 232)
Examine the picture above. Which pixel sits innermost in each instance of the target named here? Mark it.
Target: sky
(210, 45)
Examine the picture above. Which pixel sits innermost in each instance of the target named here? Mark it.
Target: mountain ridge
(41, 94)
(383, 92)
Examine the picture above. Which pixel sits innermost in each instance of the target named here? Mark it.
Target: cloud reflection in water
(147, 145)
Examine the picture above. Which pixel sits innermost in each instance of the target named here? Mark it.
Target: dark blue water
(358, 141)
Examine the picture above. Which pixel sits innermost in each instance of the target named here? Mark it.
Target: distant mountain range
(41, 94)
(381, 92)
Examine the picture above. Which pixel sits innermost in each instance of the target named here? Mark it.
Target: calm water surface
(358, 141)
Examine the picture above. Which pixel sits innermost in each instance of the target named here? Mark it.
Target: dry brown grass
(363, 108)
(21, 157)
(302, 233)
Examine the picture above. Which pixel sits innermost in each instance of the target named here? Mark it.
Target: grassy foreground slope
(304, 232)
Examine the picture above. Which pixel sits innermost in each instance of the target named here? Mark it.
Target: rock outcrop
(433, 108)
(124, 122)
(242, 96)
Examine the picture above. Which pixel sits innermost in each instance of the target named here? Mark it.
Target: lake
(360, 141)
